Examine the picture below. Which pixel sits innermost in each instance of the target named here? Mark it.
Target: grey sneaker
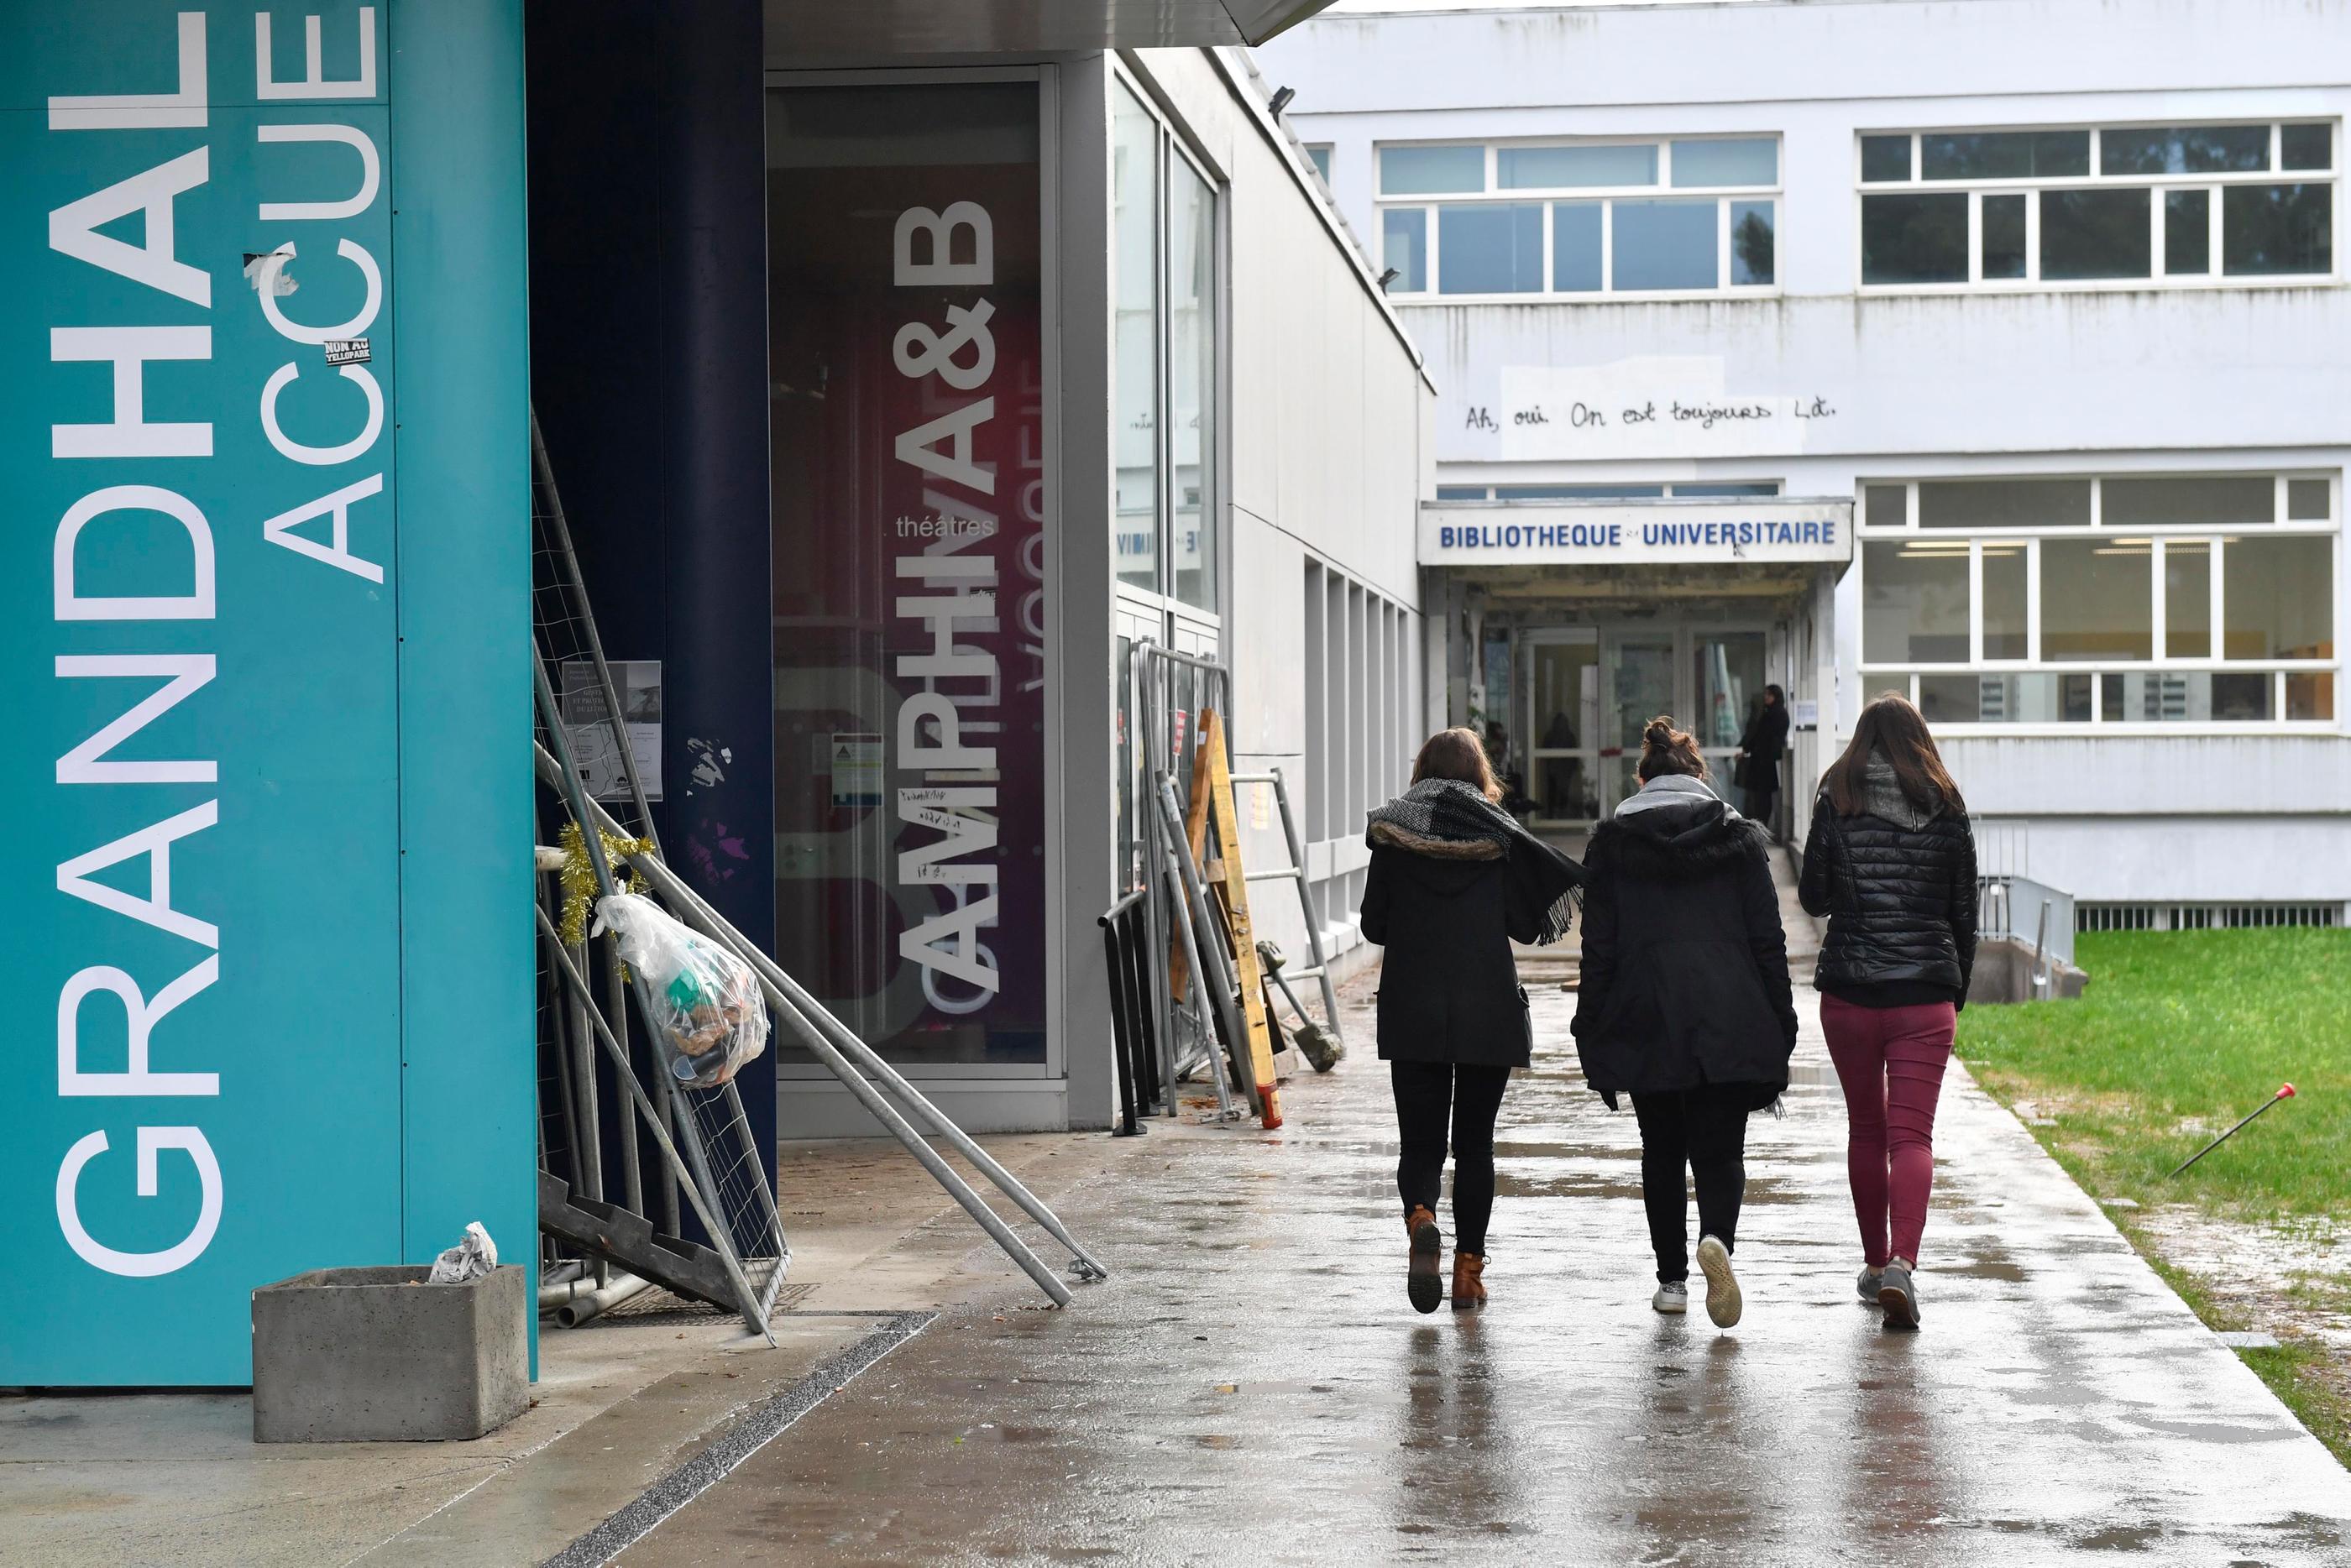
(1672, 1297)
(1867, 1283)
(1898, 1296)
(1722, 1300)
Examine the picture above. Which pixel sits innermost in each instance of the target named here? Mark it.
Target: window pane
(2004, 601)
(2185, 150)
(2187, 598)
(1575, 247)
(2307, 146)
(1491, 248)
(1417, 171)
(2004, 155)
(1577, 491)
(2187, 232)
(1764, 487)
(2309, 695)
(2189, 696)
(1884, 158)
(1461, 492)
(1666, 245)
(1552, 168)
(2003, 235)
(2279, 598)
(2097, 599)
(1914, 603)
(2003, 699)
(1404, 246)
(2215, 501)
(2269, 229)
(2094, 234)
(2004, 503)
(1192, 351)
(1885, 505)
(1135, 200)
(2306, 501)
(1321, 158)
(1746, 162)
(1751, 242)
(1914, 239)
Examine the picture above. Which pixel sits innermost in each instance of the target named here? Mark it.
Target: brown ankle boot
(1468, 1280)
(1421, 1283)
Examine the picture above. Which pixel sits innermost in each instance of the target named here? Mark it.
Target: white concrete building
(2009, 337)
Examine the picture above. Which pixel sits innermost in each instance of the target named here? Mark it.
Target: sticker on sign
(347, 351)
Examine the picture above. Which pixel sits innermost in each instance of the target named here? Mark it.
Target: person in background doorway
(1454, 880)
(1892, 863)
(1761, 746)
(1685, 1002)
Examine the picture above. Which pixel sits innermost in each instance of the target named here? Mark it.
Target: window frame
(1548, 197)
(2158, 185)
(1873, 674)
(1172, 147)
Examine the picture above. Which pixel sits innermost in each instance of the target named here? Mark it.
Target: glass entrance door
(1727, 680)
(1563, 725)
(1640, 685)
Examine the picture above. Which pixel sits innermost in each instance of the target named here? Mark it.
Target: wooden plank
(1258, 1058)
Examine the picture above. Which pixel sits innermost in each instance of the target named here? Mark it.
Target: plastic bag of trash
(709, 1012)
(474, 1255)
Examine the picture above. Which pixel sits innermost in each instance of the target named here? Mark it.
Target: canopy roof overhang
(892, 29)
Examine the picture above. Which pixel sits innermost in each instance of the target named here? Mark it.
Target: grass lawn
(2182, 1033)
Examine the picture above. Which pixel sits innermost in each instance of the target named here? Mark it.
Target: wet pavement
(1252, 1387)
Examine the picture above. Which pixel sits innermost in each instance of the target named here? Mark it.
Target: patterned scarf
(1448, 820)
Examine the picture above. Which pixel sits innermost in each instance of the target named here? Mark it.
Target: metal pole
(1197, 908)
(835, 1045)
(616, 994)
(2285, 1092)
(1174, 878)
(1313, 916)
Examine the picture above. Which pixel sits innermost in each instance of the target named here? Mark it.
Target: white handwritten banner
(1652, 406)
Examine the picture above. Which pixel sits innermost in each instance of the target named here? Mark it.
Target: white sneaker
(1672, 1297)
(1722, 1300)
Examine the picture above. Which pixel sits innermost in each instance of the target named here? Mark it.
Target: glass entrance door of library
(1591, 690)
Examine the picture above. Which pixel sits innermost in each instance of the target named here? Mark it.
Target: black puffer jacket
(1898, 886)
(1448, 986)
(1684, 966)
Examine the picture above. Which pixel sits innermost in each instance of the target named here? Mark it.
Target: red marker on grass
(2285, 1092)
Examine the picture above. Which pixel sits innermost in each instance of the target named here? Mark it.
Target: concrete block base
(376, 1355)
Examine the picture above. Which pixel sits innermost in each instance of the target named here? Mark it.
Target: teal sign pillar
(265, 779)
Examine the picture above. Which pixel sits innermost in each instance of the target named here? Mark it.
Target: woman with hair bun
(1454, 880)
(1685, 1002)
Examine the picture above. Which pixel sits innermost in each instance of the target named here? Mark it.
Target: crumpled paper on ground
(470, 1259)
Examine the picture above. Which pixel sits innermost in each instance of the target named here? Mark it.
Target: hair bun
(1661, 732)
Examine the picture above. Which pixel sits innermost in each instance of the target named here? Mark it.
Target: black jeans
(1704, 1129)
(1428, 1094)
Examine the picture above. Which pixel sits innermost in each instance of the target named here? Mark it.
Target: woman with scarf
(1685, 1003)
(1892, 863)
(1454, 880)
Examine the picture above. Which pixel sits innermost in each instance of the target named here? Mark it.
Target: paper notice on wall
(1804, 712)
(854, 762)
(588, 726)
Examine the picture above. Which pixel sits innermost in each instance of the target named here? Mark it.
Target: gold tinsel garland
(579, 877)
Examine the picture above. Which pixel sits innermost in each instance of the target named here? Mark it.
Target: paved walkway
(1252, 1386)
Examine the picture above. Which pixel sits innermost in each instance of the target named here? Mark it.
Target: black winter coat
(1685, 967)
(1900, 892)
(1448, 986)
(1765, 741)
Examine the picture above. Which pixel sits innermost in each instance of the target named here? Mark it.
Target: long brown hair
(1666, 750)
(1458, 755)
(1891, 725)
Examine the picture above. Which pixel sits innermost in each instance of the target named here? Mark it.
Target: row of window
(2178, 204)
(1363, 716)
(1603, 492)
(2221, 571)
